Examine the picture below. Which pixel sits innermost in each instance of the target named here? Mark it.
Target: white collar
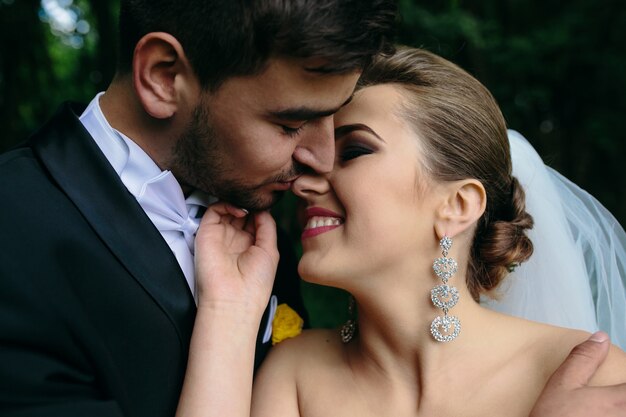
(131, 163)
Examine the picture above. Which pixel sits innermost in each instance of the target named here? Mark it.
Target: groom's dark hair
(226, 38)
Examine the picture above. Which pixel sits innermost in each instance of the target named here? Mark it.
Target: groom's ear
(463, 204)
(162, 74)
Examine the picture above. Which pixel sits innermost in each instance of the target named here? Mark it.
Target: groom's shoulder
(19, 167)
(25, 185)
(15, 163)
(17, 153)
(21, 158)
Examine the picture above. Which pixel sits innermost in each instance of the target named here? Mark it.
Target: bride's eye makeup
(354, 141)
(351, 151)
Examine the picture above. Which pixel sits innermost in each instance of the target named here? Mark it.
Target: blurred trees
(556, 69)
(38, 71)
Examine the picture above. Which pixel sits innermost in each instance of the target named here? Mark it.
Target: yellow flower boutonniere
(287, 323)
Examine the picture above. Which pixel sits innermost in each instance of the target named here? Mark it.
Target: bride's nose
(309, 186)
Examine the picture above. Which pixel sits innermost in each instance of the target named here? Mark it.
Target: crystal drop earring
(446, 328)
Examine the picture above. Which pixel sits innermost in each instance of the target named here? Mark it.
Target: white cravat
(158, 192)
(162, 199)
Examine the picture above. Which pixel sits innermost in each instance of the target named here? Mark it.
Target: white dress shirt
(158, 192)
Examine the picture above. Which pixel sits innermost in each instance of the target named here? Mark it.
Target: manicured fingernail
(244, 210)
(599, 337)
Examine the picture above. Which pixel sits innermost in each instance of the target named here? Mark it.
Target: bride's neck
(394, 330)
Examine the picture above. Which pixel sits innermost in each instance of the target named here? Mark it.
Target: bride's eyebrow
(344, 130)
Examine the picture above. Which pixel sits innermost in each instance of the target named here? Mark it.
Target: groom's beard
(198, 162)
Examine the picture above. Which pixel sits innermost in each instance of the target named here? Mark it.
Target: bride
(418, 220)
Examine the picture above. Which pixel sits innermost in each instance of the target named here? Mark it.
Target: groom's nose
(316, 149)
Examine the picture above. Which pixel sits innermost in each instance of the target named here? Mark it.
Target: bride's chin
(320, 278)
(311, 274)
(307, 275)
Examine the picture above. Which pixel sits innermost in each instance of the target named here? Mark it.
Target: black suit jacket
(95, 313)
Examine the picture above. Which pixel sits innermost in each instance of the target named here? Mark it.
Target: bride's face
(374, 212)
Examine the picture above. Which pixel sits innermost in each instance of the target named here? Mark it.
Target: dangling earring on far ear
(349, 328)
(444, 296)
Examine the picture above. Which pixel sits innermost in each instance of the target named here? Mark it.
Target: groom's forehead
(292, 89)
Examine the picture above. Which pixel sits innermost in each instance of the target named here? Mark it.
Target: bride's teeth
(317, 221)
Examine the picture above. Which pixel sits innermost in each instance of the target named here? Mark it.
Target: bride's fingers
(235, 211)
(266, 233)
(250, 225)
(239, 222)
(221, 211)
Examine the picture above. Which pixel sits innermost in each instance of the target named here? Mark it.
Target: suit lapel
(80, 169)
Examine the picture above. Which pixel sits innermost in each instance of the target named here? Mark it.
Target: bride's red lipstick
(312, 212)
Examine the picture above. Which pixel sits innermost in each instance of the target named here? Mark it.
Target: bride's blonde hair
(463, 135)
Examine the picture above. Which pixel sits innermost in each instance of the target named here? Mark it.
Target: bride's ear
(162, 74)
(463, 204)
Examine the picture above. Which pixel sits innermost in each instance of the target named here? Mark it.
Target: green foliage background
(557, 69)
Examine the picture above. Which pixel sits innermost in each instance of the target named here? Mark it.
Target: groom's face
(249, 140)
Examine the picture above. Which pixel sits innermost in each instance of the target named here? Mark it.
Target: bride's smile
(374, 209)
(319, 221)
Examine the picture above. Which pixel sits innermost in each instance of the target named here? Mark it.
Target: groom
(222, 99)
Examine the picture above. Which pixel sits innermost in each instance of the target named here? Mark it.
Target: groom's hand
(236, 258)
(567, 393)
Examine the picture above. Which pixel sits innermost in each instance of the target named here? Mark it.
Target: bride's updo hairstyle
(463, 135)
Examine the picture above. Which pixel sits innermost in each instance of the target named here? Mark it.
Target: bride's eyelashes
(355, 140)
(352, 151)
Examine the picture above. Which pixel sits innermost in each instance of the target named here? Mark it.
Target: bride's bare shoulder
(324, 340)
(292, 359)
(287, 368)
(311, 348)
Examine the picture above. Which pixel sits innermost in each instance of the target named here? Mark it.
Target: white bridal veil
(576, 276)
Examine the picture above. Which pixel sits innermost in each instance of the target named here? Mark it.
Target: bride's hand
(236, 258)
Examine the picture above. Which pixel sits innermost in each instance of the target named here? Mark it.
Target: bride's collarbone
(347, 403)
(331, 388)
(492, 379)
